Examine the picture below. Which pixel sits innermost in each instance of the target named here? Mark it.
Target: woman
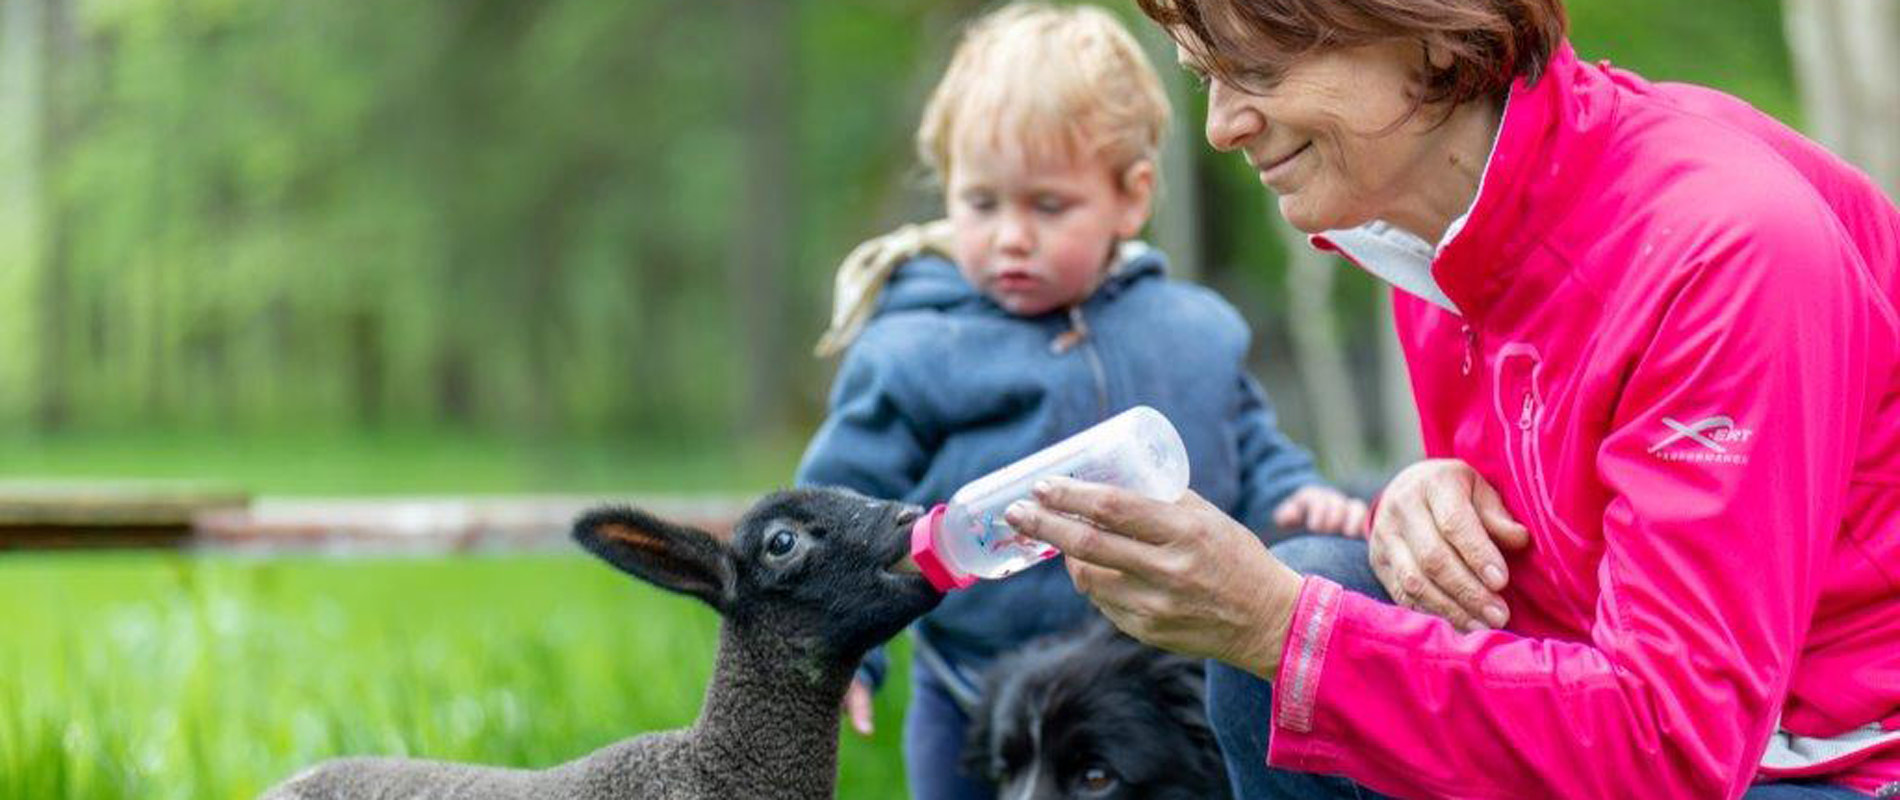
(1652, 337)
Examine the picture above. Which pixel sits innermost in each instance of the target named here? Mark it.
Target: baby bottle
(966, 539)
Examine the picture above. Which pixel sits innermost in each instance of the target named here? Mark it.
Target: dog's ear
(673, 557)
(979, 748)
(1180, 686)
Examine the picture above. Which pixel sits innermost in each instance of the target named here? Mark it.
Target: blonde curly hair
(1044, 81)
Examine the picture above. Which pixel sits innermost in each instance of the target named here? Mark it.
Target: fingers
(1453, 551)
(1291, 511)
(1505, 530)
(1119, 510)
(857, 706)
(1357, 514)
(1459, 526)
(1077, 539)
(1406, 583)
(1321, 510)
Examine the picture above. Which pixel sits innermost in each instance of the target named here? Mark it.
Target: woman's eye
(1051, 205)
(780, 543)
(980, 203)
(1262, 80)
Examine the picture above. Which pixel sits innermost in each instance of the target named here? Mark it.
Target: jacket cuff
(871, 670)
(1292, 744)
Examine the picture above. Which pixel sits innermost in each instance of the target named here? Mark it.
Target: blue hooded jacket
(943, 386)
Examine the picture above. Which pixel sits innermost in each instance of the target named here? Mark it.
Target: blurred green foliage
(474, 245)
(158, 677)
(524, 219)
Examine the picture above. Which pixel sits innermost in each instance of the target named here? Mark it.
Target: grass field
(126, 675)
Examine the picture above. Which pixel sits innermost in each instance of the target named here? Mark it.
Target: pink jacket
(1675, 354)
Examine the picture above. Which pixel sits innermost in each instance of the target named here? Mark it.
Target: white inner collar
(1403, 259)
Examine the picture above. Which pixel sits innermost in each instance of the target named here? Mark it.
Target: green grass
(129, 675)
(399, 462)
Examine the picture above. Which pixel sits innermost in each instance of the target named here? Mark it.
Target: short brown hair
(1492, 42)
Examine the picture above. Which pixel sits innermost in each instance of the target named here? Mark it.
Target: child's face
(1035, 235)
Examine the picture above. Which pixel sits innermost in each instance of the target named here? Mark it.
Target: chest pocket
(1520, 407)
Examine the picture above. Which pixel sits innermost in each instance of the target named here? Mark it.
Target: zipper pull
(1530, 410)
(1471, 346)
(1077, 332)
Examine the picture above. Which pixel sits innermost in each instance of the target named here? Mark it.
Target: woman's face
(1323, 136)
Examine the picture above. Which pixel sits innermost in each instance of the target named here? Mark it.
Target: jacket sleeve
(1272, 466)
(868, 443)
(1703, 594)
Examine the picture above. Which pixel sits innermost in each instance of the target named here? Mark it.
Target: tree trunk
(1398, 410)
(53, 404)
(765, 226)
(1177, 219)
(22, 114)
(1846, 54)
(1324, 372)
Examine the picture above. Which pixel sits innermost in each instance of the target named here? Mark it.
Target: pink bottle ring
(923, 551)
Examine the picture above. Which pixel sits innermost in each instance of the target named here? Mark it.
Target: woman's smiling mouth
(1278, 168)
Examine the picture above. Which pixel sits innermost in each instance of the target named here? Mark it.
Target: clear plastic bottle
(965, 540)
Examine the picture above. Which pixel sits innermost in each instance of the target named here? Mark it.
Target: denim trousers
(934, 729)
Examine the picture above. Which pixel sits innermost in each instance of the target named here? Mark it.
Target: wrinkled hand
(1435, 543)
(857, 707)
(1322, 509)
(1181, 576)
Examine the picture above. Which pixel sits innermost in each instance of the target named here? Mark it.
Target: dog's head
(1095, 715)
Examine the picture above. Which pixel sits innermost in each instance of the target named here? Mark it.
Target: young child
(1030, 314)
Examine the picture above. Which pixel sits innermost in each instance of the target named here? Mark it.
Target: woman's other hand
(1181, 576)
(1437, 543)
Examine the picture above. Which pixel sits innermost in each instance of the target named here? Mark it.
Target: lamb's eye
(1096, 780)
(781, 543)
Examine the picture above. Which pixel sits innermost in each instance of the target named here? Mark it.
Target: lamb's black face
(813, 564)
(826, 561)
(1095, 716)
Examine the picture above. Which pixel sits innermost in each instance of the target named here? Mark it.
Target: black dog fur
(1095, 714)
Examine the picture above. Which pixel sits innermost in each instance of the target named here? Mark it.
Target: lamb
(812, 579)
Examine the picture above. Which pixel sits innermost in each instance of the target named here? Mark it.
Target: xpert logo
(1714, 440)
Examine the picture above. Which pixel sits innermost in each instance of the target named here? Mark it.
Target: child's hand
(1323, 509)
(857, 707)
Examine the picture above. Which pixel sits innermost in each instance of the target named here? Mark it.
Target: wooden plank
(105, 505)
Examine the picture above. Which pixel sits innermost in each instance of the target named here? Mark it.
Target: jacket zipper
(1078, 334)
(1471, 346)
(1095, 361)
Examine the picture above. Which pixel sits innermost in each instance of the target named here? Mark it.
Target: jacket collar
(1549, 142)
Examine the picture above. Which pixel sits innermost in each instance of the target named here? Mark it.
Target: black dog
(1095, 714)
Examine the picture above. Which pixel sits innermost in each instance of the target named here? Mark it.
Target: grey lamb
(810, 582)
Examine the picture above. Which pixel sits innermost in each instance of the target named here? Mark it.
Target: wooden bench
(106, 514)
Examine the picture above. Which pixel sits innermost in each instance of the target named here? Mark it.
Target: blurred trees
(548, 217)
(1847, 59)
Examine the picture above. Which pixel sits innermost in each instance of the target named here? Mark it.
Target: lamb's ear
(674, 557)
